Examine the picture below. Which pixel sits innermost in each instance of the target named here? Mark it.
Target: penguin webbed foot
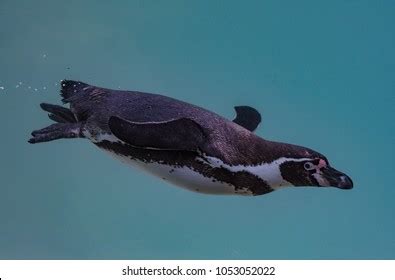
(58, 113)
(56, 131)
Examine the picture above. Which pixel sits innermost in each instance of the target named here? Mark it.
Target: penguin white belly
(184, 177)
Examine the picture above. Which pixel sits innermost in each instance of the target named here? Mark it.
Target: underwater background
(322, 73)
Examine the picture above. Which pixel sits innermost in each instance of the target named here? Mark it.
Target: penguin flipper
(180, 134)
(247, 117)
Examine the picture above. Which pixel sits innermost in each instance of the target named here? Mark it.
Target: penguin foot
(56, 131)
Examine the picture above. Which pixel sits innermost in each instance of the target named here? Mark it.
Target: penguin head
(313, 170)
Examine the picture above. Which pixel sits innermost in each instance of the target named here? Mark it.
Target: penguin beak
(336, 179)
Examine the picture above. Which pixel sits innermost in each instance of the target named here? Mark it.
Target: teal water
(321, 73)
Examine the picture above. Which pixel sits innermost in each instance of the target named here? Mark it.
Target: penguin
(184, 144)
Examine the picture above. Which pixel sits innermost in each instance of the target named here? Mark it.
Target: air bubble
(2, 88)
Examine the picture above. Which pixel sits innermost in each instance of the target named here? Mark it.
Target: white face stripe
(269, 172)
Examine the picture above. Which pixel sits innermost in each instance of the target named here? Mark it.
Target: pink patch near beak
(321, 164)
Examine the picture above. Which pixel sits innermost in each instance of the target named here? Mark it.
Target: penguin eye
(308, 166)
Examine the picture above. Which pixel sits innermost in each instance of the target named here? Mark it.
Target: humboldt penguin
(184, 144)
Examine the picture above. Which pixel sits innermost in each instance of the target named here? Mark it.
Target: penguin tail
(71, 90)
